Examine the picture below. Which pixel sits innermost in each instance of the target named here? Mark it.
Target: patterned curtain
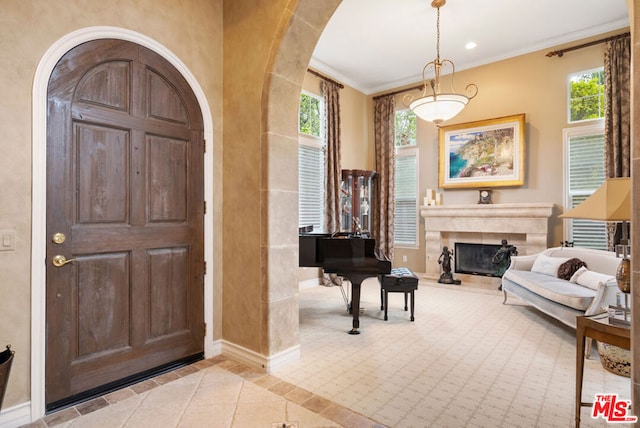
(383, 221)
(333, 176)
(331, 94)
(617, 128)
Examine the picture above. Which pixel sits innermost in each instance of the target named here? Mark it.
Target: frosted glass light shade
(438, 108)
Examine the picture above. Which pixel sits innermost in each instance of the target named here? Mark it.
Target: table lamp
(611, 203)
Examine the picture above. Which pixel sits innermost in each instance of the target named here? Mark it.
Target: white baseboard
(214, 348)
(16, 416)
(255, 359)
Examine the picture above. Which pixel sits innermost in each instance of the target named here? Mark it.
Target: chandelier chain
(438, 36)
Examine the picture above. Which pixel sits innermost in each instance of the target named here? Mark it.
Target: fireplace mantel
(527, 210)
(524, 225)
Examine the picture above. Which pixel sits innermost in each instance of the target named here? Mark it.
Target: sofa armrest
(605, 296)
(522, 262)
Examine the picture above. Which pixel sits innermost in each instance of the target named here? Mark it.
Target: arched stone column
(261, 172)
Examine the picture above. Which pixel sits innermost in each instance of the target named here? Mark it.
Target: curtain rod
(399, 91)
(561, 52)
(315, 73)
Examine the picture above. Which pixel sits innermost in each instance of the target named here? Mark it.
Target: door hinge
(204, 146)
(204, 267)
(204, 328)
(205, 207)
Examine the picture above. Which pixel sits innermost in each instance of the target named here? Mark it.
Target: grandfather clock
(357, 200)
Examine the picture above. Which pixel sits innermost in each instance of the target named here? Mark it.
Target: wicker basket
(615, 359)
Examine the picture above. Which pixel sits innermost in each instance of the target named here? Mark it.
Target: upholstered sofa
(589, 289)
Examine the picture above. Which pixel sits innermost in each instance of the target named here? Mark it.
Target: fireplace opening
(475, 259)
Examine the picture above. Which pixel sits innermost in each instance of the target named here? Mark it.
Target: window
(405, 128)
(311, 159)
(406, 180)
(586, 95)
(584, 173)
(310, 115)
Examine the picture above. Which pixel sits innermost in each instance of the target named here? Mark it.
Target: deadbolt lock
(58, 238)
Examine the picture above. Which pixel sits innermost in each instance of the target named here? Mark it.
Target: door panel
(168, 179)
(168, 301)
(125, 186)
(103, 303)
(103, 182)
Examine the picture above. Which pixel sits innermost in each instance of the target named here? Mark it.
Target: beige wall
(244, 79)
(193, 32)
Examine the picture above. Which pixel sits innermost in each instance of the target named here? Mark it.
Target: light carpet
(466, 361)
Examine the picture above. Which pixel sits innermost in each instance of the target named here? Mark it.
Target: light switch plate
(7, 240)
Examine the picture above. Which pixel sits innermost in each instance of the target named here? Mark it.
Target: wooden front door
(125, 211)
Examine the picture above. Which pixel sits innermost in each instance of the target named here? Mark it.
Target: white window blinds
(406, 197)
(311, 186)
(585, 155)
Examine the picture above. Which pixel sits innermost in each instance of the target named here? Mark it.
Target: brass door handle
(60, 260)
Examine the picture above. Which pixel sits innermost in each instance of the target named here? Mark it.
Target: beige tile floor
(218, 392)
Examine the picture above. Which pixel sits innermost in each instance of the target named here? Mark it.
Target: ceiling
(376, 45)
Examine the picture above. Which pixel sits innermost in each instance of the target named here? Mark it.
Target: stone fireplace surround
(524, 225)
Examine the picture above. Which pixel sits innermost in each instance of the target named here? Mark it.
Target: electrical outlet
(404, 258)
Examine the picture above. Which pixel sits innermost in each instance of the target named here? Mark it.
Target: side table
(596, 327)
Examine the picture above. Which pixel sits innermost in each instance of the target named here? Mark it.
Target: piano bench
(399, 280)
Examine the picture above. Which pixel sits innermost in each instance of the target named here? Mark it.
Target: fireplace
(475, 259)
(524, 225)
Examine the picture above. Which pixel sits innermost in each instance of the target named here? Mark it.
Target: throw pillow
(547, 265)
(590, 279)
(568, 268)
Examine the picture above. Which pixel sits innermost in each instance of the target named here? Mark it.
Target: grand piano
(347, 255)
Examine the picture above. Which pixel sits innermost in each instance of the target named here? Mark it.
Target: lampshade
(435, 106)
(438, 108)
(611, 202)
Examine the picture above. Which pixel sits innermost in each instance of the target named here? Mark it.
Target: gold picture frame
(484, 153)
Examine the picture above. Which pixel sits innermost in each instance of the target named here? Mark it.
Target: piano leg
(356, 281)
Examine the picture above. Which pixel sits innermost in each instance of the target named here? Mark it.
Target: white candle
(438, 198)
(429, 194)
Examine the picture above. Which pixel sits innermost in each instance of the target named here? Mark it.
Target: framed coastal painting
(485, 153)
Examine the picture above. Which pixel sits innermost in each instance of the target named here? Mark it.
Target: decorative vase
(623, 275)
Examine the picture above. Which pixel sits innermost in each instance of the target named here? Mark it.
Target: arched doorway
(41, 78)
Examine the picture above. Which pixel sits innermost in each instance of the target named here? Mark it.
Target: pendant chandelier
(434, 105)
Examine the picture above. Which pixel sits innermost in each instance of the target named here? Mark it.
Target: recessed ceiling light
(470, 45)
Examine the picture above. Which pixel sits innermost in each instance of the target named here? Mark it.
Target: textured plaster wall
(192, 30)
